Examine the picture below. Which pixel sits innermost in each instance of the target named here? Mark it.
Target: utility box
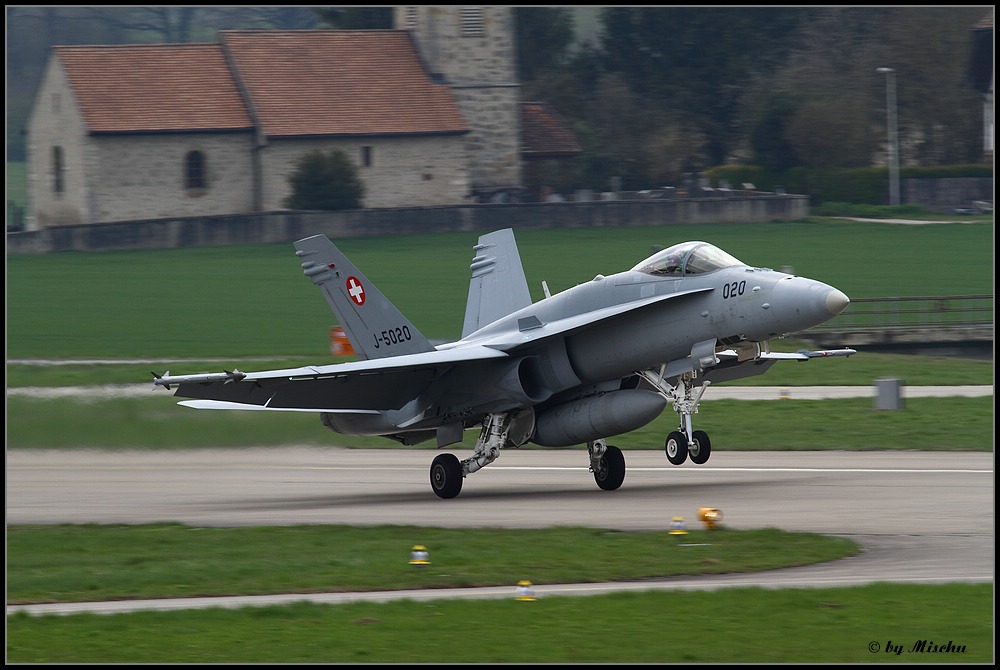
(888, 394)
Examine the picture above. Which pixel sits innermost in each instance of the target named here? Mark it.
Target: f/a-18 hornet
(597, 360)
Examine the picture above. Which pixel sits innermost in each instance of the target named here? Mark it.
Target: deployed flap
(498, 286)
(374, 326)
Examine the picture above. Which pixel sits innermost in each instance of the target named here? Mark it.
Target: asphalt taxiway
(920, 517)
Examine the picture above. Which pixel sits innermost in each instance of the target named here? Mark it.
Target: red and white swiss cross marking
(356, 290)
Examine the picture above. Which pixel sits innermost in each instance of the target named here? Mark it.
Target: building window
(472, 22)
(58, 170)
(366, 156)
(194, 170)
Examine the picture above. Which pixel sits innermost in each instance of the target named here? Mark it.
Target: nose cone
(798, 303)
(836, 301)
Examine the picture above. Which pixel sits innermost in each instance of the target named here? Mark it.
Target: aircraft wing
(356, 387)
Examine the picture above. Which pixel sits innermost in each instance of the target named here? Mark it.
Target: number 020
(734, 289)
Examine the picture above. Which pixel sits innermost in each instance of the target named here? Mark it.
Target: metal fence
(950, 311)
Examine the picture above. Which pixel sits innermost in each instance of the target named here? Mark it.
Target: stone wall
(946, 194)
(415, 171)
(282, 227)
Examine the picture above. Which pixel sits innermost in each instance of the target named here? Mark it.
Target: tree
(697, 63)
(940, 121)
(356, 18)
(543, 36)
(769, 141)
(325, 182)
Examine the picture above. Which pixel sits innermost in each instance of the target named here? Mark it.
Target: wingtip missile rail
(226, 376)
(827, 352)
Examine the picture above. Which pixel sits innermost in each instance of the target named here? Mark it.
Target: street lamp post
(890, 110)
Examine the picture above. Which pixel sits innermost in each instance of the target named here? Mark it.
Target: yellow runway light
(710, 516)
(419, 555)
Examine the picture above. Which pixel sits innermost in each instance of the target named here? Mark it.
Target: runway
(921, 517)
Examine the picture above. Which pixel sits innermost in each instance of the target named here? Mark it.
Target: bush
(325, 182)
(842, 185)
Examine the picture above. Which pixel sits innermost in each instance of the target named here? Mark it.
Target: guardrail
(941, 311)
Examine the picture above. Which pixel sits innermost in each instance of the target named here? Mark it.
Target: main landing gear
(509, 429)
(607, 463)
(684, 442)
(512, 430)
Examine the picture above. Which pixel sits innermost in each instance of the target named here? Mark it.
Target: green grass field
(71, 563)
(738, 626)
(232, 302)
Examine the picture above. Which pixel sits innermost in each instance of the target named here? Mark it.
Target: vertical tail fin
(374, 326)
(498, 286)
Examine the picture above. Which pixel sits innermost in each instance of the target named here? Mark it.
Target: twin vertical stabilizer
(374, 326)
(377, 329)
(498, 286)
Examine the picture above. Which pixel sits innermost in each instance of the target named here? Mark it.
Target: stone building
(428, 112)
(472, 50)
(980, 76)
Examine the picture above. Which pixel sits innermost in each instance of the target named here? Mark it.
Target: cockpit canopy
(687, 258)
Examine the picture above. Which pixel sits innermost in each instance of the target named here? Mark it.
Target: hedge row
(854, 185)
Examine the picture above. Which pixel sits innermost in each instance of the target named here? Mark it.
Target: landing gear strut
(508, 429)
(684, 441)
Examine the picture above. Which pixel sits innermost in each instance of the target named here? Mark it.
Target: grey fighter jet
(597, 360)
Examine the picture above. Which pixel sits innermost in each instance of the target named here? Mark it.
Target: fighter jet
(597, 360)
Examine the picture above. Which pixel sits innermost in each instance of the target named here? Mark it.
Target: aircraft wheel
(610, 472)
(700, 448)
(446, 476)
(676, 447)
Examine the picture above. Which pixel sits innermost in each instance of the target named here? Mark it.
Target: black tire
(676, 447)
(446, 476)
(700, 448)
(610, 472)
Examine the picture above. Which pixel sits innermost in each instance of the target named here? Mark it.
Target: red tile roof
(154, 88)
(340, 82)
(544, 134)
(299, 83)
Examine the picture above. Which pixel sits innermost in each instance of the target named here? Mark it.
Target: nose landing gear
(684, 442)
